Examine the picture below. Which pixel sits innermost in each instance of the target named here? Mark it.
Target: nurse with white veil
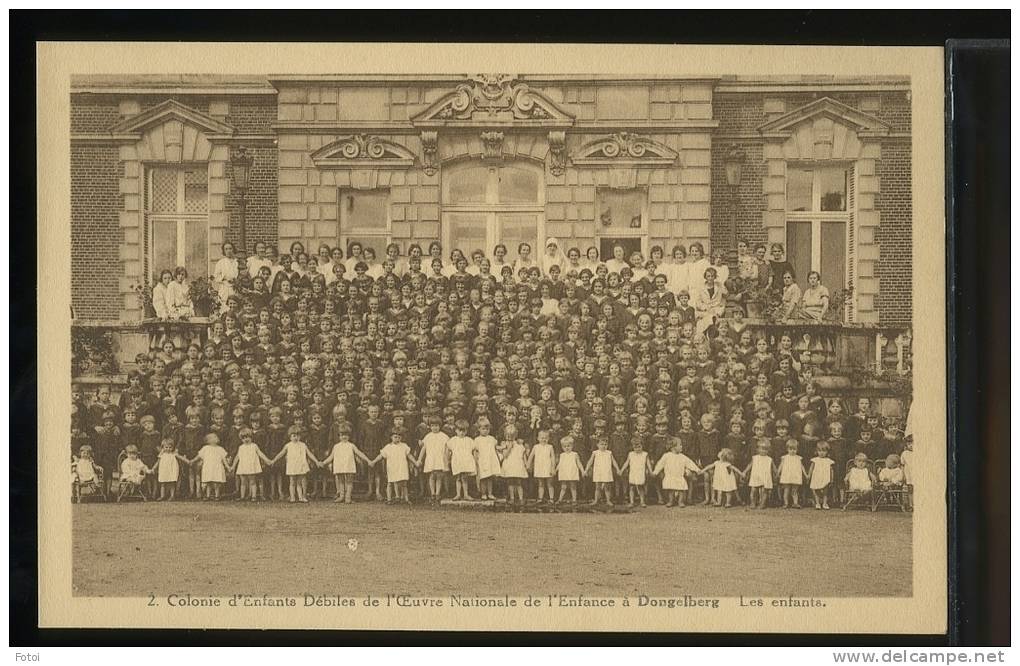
(553, 256)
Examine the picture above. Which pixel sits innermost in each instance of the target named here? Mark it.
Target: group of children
(590, 385)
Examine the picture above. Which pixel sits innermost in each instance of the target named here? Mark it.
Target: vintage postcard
(355, 336)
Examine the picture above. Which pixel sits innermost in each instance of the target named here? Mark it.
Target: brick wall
(740, 114)
(261, 213)
(895, 234)
(95, 231)
(97, 204)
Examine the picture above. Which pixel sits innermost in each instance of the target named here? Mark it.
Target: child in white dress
(344, 456)
(637, 467)
(892, 475)
(214, 467)
(462, 460)
(298, 456)
(542, 462)
(397, 455)
(761, 470)
(433, 457)
(132, 472)
(568, 470)
(514, 468)
(791, 475)
(487, 459)
(168, 469)
(820, 476)
(674, 467)
(859, 479)
(601, 466)
(248, 466)
(724, 478)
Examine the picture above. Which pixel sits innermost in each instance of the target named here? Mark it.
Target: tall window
(622, 220)
(365, 218)
(177, 219)
(817, 220)
(485, 205)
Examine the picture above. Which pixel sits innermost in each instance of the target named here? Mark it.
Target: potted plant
(144, 292)
(204, 298)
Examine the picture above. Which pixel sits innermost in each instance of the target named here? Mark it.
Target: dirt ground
(219, 549)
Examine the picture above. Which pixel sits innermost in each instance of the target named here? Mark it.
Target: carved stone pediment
(362, 151)
(827, 109)
(624, 148)
(168, 111)
(493, 100)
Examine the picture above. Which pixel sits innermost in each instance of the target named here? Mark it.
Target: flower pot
(202, 308)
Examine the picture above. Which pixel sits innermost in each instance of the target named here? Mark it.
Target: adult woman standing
(617, 263)
(297, 248)
(177, 299)
(709, 301)
(791, 296)
(815, 300)
(225, 272)
(393, 254)
(553, 256)
(499, 259)
(159, 294)
(677, 271)
(524, 259)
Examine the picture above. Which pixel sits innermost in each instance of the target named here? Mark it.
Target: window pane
(164, 191)
(515, 229)
(833, 188)
(164, 247)
(621, 209)
(196, 191)
(467, 185)
(833, 260)
(798, 249)
(466, 232)
(798, 189)
(517, 186)
(365, 211)
(196, 248)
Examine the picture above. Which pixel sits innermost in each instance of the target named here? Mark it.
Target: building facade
(473, 161)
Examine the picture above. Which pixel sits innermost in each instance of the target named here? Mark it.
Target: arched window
(488, 204)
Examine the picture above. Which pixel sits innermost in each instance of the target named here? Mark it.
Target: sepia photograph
(445, 340)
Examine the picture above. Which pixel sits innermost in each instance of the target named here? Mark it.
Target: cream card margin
(925, 612)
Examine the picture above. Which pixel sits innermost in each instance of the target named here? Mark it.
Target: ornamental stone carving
(624, 148)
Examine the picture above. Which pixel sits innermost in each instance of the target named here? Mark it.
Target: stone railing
(847, 356)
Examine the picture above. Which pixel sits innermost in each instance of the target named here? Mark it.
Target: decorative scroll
(492, 98)
(624, 148)
(362, 151)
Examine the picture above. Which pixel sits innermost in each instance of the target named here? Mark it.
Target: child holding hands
(674, 467)
(568, 470)
(637, 465)
(344, 456)
(724, 478)
(601, 466)
(397, 455)
(297, 457)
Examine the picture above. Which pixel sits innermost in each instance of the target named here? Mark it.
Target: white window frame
(491, 208)
(816, 216)
(181, 219)
(603, 233)
(346, 236)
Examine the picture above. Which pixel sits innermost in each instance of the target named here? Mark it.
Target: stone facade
(319, 139)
